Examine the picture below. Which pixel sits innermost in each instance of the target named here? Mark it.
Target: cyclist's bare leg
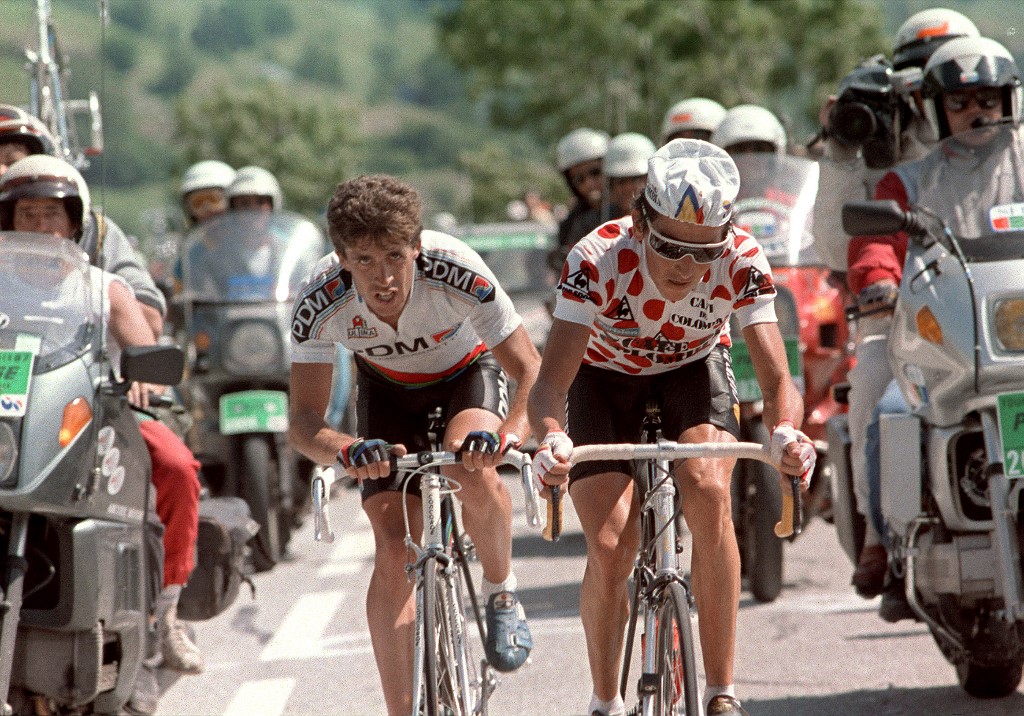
(390, 607)
(486, 502)
(610, 519)
(715, 565)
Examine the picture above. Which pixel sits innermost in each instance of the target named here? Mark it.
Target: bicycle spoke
(676, 662)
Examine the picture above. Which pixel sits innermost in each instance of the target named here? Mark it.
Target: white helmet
(17, 125)
(966, 63)
(693, 114)
(579, 146)
(43, 176)
(627, 155)
(923, 32)
(207, 174)
(750, 123)
(256, 181)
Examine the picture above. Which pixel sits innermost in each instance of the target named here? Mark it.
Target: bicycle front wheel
(450, 686)
(675, 689)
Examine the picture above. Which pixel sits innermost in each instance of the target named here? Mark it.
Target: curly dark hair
(374, 207)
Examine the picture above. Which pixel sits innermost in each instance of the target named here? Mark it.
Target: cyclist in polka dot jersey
(643, 312)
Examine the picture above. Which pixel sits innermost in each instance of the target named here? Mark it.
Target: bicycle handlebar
(324, 477)
(791, 519)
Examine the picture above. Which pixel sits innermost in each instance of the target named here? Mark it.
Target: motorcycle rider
(693, 118)
(676, 250)
(392, 284)
(578, 157)
(175, 469)
(845, 176)
(255, 188)
(625, 169)
(750, 128)
(21, 134)
(968, 83)
(204, 190)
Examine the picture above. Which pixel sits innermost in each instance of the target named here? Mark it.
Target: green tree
(308, 146)
(134, 14)
(499, 173)
(317, 64)
(619, 64)
(120, 52)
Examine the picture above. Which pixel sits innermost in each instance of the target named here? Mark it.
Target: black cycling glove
(361, 452)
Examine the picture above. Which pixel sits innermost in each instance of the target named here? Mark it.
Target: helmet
(208, 174)
(627, 155)
(17, 125)
(923, 32)
(966, 63)
(256, 181)
(694, 181)
(696, 113)
(750, 123)
(579, 146)
(43, 176)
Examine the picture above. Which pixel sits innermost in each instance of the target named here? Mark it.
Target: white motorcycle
(951, 467)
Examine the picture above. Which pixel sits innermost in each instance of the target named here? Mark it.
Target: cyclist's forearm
(782, 401)
(312, 437)
(546, 409)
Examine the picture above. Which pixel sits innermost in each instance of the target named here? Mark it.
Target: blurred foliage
(617, 64)
(237, 24)
(308, 146)
(136, 15)
(120, 52)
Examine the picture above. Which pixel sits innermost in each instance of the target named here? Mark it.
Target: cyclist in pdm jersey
(429, 326)
(643, 310)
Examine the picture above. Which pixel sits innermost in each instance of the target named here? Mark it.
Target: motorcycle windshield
(775, 205)
(249, 257)
(974, 183)
(47, 306)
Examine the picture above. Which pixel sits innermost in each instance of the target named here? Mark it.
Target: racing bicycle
(448, 677)
(661, 603)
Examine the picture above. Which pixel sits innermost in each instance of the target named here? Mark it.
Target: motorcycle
(240, 275)
(75, 492)
(951, 487)
(775, 205)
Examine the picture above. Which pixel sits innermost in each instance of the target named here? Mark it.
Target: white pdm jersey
(606, 285)
(455, 312)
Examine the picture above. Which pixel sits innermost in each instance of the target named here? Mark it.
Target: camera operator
(874, 123)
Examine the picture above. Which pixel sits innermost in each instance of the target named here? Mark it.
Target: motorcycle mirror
(161, 365)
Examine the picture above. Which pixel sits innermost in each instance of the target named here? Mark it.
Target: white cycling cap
(694, 181)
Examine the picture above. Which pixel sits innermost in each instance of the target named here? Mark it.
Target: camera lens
(852, 122)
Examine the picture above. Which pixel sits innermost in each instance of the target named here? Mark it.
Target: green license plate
(747, 388)
(254, 411)
(15, 378)
(1010, 409)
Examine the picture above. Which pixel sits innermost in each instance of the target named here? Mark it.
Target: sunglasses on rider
(674, 250)
(987, 98)
(210, 199)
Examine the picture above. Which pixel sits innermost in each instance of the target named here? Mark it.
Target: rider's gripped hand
(551, 461)
(368, 459)
(483, 448)
(794, 452)
(878, 296)
(138, 393)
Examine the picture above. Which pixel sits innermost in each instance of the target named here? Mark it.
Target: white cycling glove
(555, 443)
(785, 435)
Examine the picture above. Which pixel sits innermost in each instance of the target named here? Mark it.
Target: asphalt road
(301, 646)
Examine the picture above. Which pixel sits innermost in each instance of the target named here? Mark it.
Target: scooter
(951, 466)
(240, 275)
(75, 490)
(775, 205)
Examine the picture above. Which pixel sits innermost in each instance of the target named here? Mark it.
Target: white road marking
(267, 697)
(349, 555)
(300, 635)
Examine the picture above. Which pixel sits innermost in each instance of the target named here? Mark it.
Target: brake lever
(321, 490)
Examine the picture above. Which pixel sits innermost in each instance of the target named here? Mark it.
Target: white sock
(490, 588)
(615, 707)
(711, 692)
(167, 599)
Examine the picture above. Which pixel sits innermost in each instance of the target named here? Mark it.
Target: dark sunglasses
(674, 250)
(989, 98)
(577, 179)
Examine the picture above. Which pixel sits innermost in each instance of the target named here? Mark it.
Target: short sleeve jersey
(455, 312)
(606, 285)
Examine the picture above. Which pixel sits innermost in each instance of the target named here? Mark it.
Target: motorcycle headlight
(1009, 319)
(8, 451)
(253, 348)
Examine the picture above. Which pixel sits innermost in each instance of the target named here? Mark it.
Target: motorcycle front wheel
(989, 681)
(258, 483)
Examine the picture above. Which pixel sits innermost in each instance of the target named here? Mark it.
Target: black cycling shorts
(397, 414)
(605, 406)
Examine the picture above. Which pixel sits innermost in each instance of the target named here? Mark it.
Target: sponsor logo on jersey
(459, 277)
(399, 348)
(577, 284)
(758, 284)
(316, 300)
(445, 334)
(359, 329)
